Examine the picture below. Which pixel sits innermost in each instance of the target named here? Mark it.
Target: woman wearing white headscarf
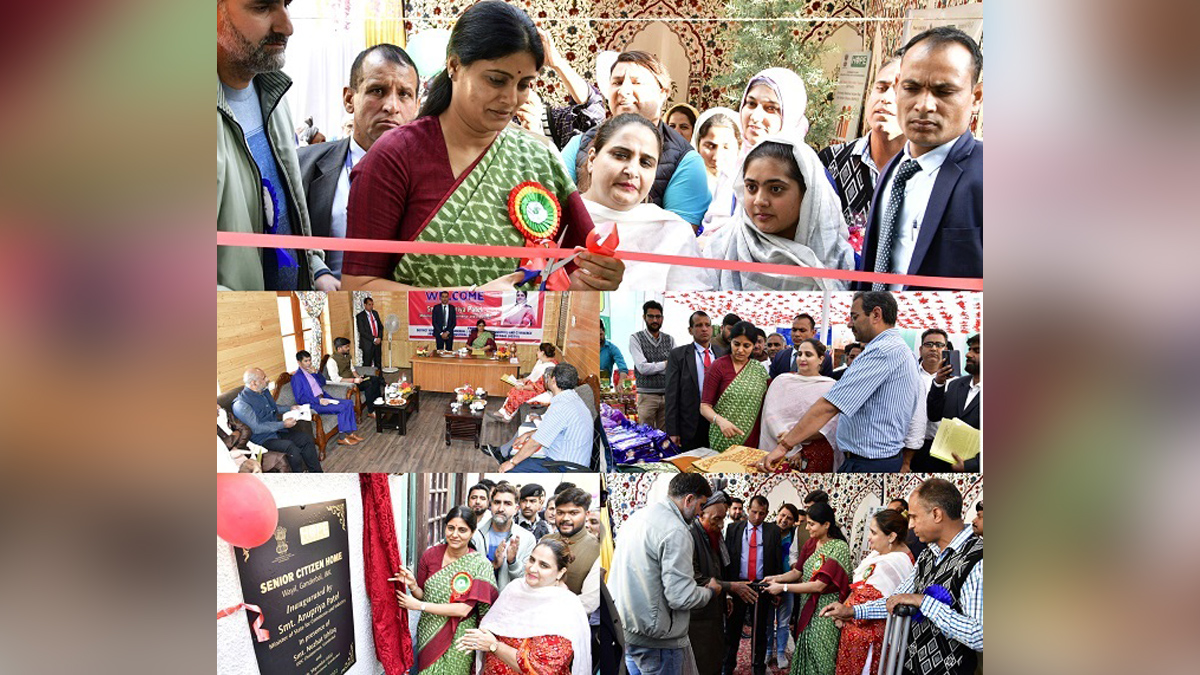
(772, 104)
(718, 139)
(790, 215)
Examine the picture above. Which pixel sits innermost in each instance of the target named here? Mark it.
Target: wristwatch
(492, 649)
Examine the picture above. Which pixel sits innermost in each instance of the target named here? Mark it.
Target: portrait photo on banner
(499, 146)
(405, 381)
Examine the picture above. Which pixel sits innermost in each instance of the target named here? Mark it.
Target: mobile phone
(953, 358)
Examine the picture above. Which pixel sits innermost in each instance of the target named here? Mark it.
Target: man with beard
(652, 580)
(934, 342)
(505, 543)
(977, 524)
(927, 213)
(532, 498)
(650, 349)
(686, 366)
(803, 328)
(855, 164)
(478, 499)
(876, 399)
(962, 398)
(258, 173)
(583, 572)
(341, 369)
(720, 341)
(706, 630)
(382, 95)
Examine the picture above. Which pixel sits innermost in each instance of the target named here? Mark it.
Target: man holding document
(256, 408)
(962, 400)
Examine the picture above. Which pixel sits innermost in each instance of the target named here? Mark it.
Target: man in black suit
(445, 318)
(803, 328)
(962, 398)
(927, 213)
(755, 551)
(686, 366)
(370, 335)
(382, 95)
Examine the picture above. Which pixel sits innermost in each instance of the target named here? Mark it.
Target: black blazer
(782, 363)
(951, 401)
(320, 168)
(772, 549)
(441, 323)
(365, 340)
(683, 391)
(950, 242)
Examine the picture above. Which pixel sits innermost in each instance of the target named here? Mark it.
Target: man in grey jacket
(505, 543)
(652, 582)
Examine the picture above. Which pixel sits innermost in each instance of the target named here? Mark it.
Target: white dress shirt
(337, 219)
(930, 426)
(976, 388)
(916, 198)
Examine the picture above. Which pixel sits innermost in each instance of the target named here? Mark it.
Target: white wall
(235, 647)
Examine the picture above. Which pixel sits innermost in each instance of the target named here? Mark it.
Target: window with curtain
(295, 328)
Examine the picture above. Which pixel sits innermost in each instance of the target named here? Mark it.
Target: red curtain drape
(389, 623)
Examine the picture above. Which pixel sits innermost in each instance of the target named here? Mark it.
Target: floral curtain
(313, 304)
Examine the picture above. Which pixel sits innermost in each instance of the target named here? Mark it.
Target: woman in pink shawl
(788, 398)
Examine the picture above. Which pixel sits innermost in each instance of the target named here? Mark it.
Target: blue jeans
(862, 465)
(652, 661)
(777, 639)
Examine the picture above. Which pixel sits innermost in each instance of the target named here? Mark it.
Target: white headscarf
(524, 612)
(793, 101)
(649, 228)
(713, 112)
(822, 238)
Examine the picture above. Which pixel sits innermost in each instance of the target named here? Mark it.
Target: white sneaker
(781, 661)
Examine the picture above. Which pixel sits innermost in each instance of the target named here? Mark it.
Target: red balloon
(246, 512)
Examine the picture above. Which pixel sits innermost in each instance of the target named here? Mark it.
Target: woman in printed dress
(532, 387)
(877, 576)
(825, 580)
(734, 387)
(453, 588)
(537, 626)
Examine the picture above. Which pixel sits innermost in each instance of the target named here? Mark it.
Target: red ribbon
(256, 240)
(259, 632)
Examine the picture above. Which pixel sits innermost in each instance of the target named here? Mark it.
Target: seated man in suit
(927, 212)
(962, 398)
(382, 95)
(256, 407)
(308, 388)
(341, 369)
(755, 551)
(686, 366)
(565, 431)
(803, 328)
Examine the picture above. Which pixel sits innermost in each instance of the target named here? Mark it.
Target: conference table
(444, 373)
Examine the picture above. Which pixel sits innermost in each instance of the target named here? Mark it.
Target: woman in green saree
(463, 173)
(734, 386)
(825, 580)
(481, 340)
(453, 588)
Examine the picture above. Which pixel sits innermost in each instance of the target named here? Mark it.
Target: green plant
(757, 45)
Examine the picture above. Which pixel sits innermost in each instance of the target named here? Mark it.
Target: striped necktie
(891, 213)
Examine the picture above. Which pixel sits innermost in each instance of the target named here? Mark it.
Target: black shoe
(495, 453)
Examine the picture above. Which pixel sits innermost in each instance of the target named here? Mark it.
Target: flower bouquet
(424, 351)
(506, 351)
(468, 394)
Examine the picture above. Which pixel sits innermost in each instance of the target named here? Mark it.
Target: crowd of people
(445, 160)
(522, 591)
(876, 412)
(692, 570)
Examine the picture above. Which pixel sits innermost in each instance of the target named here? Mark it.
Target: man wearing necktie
(445, 319)
(370, 335)
(927, 215)
(686, 367)
(755, 551)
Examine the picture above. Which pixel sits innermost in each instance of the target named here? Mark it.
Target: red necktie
(374, 330)
(707, 360)
(752, 556)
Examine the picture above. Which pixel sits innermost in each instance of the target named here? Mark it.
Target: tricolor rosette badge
(534, 211)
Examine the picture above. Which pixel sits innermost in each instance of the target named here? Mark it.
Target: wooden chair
(344, 389)
(324, 426)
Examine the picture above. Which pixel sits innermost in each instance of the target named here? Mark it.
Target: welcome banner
(513, 316)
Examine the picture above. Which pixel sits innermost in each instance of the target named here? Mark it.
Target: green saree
(817, 643)
(481, 343)
(469, 579)
(476, 212)
(740, 403)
